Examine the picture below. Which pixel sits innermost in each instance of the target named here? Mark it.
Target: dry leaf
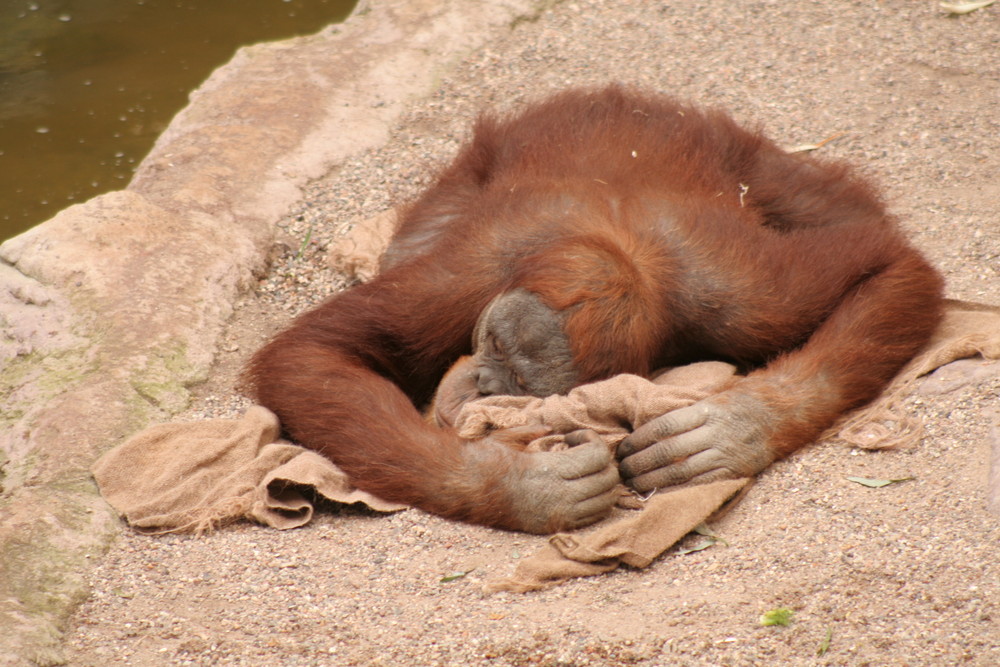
(876, 483)
(824, 645)
(454, 576)
(702, 545)
(965, 7)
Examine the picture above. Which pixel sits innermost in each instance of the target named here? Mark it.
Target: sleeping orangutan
(605, 231)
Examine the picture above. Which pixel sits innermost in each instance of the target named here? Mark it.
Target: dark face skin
(520, 348)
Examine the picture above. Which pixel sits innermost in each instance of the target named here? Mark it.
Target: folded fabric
(192, 477)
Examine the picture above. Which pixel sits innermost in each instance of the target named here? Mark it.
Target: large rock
(114, 307)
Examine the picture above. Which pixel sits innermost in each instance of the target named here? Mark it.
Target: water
(86, 86)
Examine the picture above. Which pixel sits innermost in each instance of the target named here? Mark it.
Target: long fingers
(665, 453)
(594, 509)
(670, 424)
(582, 460)
(705, 466)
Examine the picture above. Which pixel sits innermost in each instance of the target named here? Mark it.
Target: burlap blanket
(197, 476)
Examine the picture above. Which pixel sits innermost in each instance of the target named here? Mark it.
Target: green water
(86, 86)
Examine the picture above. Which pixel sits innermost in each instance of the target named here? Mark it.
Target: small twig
(645, 498)
(805, 148)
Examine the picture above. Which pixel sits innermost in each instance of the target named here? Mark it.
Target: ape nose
(487, 382)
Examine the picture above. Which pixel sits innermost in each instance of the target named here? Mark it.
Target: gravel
(908, 574)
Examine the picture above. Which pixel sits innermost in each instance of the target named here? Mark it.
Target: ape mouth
(458, 386)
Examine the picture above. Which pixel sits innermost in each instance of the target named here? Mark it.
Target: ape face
(521, 348)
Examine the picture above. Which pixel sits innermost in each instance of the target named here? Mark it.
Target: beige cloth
(193, 477)
(967, 330)
(631, 538)
(611, 407)
(197, 476)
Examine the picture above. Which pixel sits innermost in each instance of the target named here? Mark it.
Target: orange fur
(670, 235)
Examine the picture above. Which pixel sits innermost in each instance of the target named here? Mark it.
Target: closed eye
(519, 381)
(494, 349)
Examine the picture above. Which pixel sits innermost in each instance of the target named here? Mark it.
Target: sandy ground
(908, 574)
